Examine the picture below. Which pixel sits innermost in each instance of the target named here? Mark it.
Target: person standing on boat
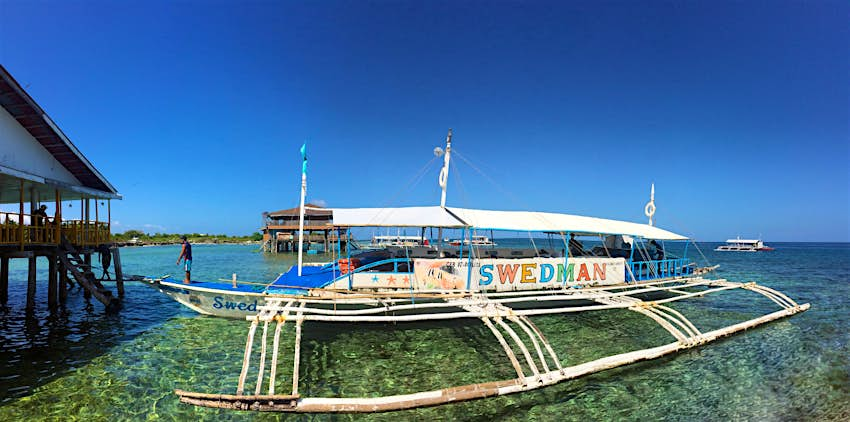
(658, 254)
(186, 256)
(576, 248)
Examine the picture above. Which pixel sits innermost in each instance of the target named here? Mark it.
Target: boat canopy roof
(743, 241)
(434, 216)
(451, 217)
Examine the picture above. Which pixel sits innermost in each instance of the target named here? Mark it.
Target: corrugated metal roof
(309, 210)
(31, 117)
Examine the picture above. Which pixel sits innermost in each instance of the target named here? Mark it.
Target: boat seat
(449, 253)
(547, 253)
(516, 253)
(489, 253)
(423, 252)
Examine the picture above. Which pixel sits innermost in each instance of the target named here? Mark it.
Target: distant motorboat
(475, 241)
(743, 245)
(381, 242)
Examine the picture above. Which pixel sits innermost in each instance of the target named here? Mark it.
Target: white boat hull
(212, 302)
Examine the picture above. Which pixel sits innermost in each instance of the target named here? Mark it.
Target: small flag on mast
(304, 157)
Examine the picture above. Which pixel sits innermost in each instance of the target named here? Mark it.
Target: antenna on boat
(444, 172)
(303, 196)
(649, 209)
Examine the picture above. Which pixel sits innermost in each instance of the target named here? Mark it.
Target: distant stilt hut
(53, 204)
(280, 230)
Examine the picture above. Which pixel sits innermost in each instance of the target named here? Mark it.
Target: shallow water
(80, 363)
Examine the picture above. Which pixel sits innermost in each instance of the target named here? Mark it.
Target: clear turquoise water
(79, 363)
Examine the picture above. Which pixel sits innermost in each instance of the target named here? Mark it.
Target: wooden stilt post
(31, 284)
(87, 231)
(87, 260)
(35, 229)
(119, 273)
(63, 283)
(82, 221)
(57, 219)
(98, 240)
(21, 217)
(4, 279)
(52, 287)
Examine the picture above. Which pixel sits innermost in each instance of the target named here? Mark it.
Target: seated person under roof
(576, 248)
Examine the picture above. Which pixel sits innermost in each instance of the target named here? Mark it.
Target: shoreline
(140, 244)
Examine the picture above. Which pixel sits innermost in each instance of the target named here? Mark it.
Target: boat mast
(444, 176)
(303, 196)
(649, 210)
(444, 173)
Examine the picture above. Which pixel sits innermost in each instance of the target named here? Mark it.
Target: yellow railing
(89, 233)
(35, 231)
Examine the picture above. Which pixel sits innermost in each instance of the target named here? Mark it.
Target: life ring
(444, 174)
(649, 210)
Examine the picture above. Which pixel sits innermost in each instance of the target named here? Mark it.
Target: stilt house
(40, 166)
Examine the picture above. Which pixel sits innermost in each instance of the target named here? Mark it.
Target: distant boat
(475, 241)
(381, 242)
(743, 245)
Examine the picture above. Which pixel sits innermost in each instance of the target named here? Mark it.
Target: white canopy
(745, 241)
(552, 222)
(496, 220)
(395, 217)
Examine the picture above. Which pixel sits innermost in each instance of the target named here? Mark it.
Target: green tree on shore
(142, 237)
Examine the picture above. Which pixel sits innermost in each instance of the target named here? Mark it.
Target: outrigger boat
(743, 245)
(476, 240)
(503, 288)
(382, 242)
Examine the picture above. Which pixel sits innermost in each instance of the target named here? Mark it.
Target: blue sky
(195, 110)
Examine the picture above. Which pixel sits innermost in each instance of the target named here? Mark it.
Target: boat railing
(642, 270)
(660, 268)
(371, 265)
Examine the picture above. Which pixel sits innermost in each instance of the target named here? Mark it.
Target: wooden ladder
(80, 271)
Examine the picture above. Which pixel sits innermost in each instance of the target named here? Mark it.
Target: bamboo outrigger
(537, 365)
(439, 284)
